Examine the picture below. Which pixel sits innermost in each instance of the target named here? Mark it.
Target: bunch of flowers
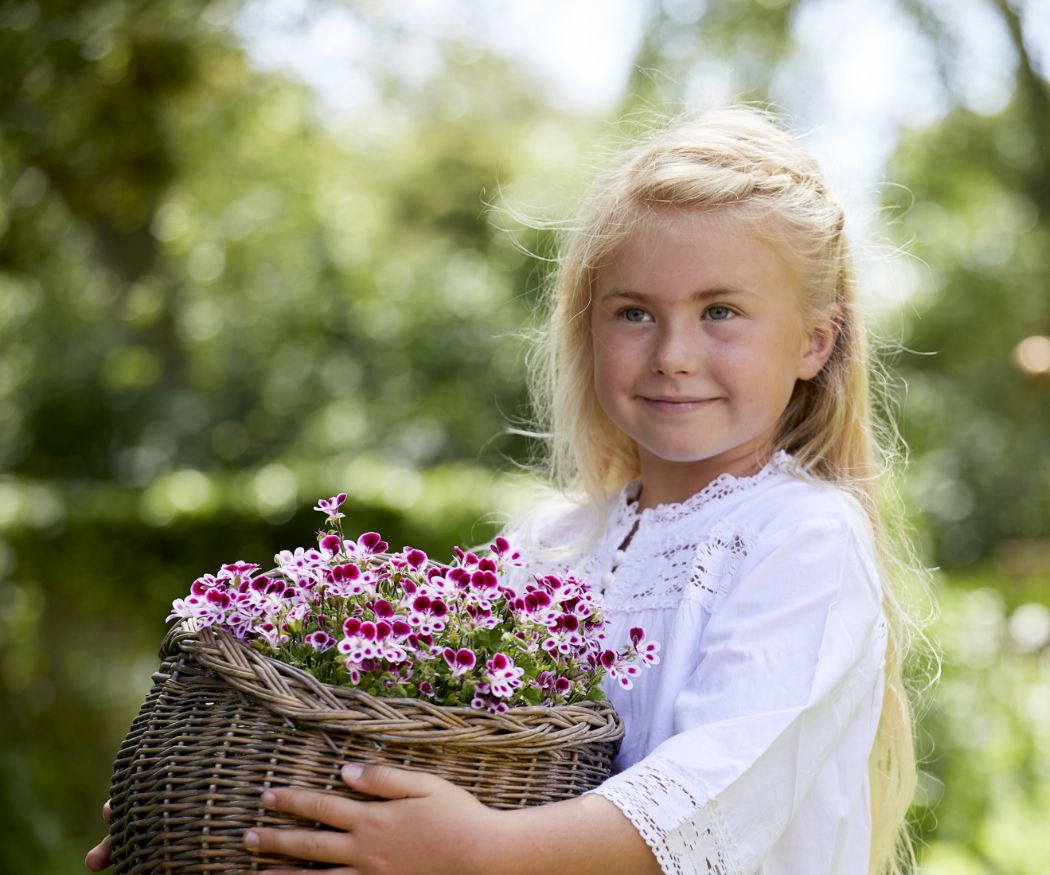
(399, 624)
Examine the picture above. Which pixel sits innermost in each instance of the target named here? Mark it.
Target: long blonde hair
(741, 159)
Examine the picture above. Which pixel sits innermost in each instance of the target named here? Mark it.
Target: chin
(680, 456)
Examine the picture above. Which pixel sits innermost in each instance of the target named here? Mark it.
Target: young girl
(707, 393)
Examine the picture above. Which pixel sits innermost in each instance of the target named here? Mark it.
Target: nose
(675, 350)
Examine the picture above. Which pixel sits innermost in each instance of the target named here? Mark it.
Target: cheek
(733, 361)
(605, 382)
(602, 367)
(608, 360)
(760, 373)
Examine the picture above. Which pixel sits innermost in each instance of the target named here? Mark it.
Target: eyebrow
(699, 295)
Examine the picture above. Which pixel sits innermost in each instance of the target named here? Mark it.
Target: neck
(670, 483)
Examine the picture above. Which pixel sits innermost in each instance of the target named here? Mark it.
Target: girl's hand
(97, 858)
(425, 825)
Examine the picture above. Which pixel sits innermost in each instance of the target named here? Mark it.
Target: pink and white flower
(502, 675)
(330, 507)
(460, 661)
(348, 610)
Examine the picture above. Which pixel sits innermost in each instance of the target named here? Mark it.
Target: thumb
(388, 782)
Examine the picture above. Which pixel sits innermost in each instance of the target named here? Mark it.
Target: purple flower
(271, 634)
(364, 641)
(415, 558)
(485, 583)
(219, 597)
(348, 580)
(502, 675)
(237, 571)
(481, 616)
(331, 506)
(427, 615)
(483, 702)
(647, 650)
(331, 544)
(301, 564)
(359, 641)
(320, 641)
(202, 584)
(371, 543)
(261, 584)
(466, 559)
(624, 673)
(460, 661)
(206, 613)
(502, 550)
(565, 636)
(347, 572)
(401, 615)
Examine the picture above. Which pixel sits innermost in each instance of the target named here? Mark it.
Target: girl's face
(698, 340)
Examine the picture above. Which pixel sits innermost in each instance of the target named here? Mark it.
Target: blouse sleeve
(786, 662)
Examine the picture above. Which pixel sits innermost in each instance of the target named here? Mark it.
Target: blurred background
(254, 252)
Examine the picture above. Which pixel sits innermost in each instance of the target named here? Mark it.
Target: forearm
(587, 835)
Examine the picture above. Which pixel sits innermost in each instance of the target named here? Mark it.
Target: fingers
(303, 844)
(327, 808)
(97, 858)
(388, 782)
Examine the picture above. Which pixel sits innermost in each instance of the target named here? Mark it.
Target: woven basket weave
(223, 722)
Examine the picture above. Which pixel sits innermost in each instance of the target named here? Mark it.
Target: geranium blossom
(403, 625)
(460, 661)
(647, 650)
(330, 507)
(502, 676)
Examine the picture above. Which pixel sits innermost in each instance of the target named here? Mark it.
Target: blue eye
(633, 314)
(718, 313)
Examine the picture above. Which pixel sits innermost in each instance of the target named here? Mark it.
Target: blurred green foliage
(213, 309)
(985, 740)
(216, 304)
(975, 417)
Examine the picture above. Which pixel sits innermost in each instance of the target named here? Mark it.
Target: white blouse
(746, 748)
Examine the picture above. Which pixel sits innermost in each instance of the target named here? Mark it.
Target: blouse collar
(722, 486)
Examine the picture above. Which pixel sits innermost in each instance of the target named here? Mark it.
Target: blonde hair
(740, 159)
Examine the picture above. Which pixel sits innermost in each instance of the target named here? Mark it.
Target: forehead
(672, 248)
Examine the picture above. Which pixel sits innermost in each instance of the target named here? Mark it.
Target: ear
(820, 343)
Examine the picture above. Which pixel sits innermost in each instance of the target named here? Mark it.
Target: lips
(674, 399)
(675, 403)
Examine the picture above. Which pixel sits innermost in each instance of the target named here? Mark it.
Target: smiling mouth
(677, 405)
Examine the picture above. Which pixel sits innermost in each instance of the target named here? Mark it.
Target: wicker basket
(223, 722)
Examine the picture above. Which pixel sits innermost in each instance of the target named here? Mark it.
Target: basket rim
(298, 696)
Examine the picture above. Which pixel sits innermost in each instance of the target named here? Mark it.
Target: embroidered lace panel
(679, 567)
(651, 798)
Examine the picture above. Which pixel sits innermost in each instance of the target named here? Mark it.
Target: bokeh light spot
(206, 263)
(1032, 355)
(275, 490)
(1030, 626)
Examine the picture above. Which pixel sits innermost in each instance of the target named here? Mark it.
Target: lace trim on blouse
(626, 512)
(699, 845)
(664, 563)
